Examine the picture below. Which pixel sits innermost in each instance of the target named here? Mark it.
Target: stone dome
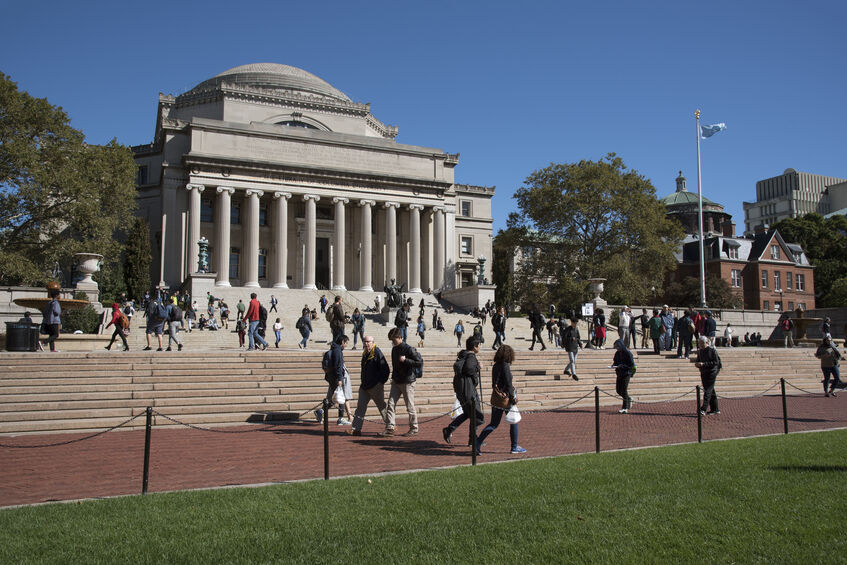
(273, 76)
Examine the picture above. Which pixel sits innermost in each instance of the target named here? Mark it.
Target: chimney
(761, 228)
(728, 229)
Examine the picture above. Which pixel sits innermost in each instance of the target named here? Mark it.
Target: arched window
(296, 124)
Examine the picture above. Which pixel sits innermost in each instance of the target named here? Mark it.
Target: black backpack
(327, 365)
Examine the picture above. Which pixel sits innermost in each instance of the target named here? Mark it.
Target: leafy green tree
(593, 219)
(825, 243)
(137, 259)
(687, 293)
(837, 296)
(58, 194)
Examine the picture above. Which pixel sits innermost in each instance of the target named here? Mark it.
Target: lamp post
(480, 280)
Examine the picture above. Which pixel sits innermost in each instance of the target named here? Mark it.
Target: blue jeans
(278, 335)
(356, 334)
(403, 332)
(496, 416)
(836, 378)
(253, 333)
(305, 334)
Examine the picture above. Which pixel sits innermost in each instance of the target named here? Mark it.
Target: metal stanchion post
(699, 418)
(146, 473)
(784, 406)
(326, 407)
(597, 419)
(473, 432)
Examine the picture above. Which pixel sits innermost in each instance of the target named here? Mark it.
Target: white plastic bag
(457, 409)
(513, 416)
(338, 397)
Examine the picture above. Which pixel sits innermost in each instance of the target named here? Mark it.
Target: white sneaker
(623, 411)
(344, 422)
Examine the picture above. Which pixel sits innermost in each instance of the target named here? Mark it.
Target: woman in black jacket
(501, 378)
(624, 366)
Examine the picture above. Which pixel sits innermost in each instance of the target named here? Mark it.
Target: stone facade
(296, 186)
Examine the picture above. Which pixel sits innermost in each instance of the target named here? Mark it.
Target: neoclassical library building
(294, 185)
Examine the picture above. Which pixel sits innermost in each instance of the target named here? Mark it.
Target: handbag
(339, 396)
(456, 411)
(513, 416)
(499, 398)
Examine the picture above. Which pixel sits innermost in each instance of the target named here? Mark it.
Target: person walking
(572, 343)
(709, 363)
(241, 330)
(157, 315)
(52, 319)
(253, 319)
(421, 329)
(498, 324)
(624, 366)
(466, 373)
(335, 316)
(304, 325)
(599, 322)
(406, 366)
(829, 356)
(787, 326)
(358, 321)
(277, 332)
(401, 320)
(458, 331)
(323, 302)
(121, 322)
(501, 379)
(174, 325)
(709, 326)
(223, 309)
(336, 376)
(375, 371)
(274, 302)
(685, 331)
(240, 308)
(536, 324)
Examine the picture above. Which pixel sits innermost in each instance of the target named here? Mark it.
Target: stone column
(222, 235)
(438, 262)
(280, 265)
(340, 244)
(391, 237)
(251, 238)
(366, 252)
(194, 191)
(415, 247)
(311, 244)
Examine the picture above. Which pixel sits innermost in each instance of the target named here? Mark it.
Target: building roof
(685, 198)
(274, 76)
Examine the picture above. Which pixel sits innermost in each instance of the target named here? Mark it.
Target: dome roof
(685, 198)
(274, 76)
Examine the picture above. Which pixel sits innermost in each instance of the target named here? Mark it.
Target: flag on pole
(709, 131)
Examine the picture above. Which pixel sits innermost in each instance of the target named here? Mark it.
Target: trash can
(21, 336)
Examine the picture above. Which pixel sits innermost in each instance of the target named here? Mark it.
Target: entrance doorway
(322, 262)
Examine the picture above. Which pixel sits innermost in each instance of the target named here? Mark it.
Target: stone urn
(88, 264)
(596, 288)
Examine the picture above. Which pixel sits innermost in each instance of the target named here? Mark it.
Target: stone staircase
(84, 392)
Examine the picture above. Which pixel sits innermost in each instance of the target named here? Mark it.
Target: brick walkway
(111, 464)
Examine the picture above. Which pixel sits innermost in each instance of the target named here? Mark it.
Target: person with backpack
(709, 363)
(121, 323)
(406, 368)
(223, 308)
(375, 371)
(253, 319)
(787, 327)
(572, 343)
(624, 365)
(829, 356)
(335, 316)
(685, 332)
(336, 376)
(477, 333)
(466, 374)
(323, 302)
(421, 329)
(498, 324)
(401, 320)
(157, 315)
(241, 330)
(174, 324)
(304, 326)
(536, 323)
(458, 331)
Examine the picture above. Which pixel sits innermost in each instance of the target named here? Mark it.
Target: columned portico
(311, 243)
(194, 191)
(222, 243)
(415, 247)
(391, 240)
(438, 252)
(365, 257)
(251, 238)
(340, 247)
(280, 264)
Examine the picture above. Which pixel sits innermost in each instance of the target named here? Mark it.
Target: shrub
(84, 319)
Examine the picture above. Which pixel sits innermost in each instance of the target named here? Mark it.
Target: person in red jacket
(116, 316)
(252, 316)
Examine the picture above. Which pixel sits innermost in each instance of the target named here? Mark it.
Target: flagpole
(700, 214)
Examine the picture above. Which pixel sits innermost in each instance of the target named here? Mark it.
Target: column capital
(391, 204)
(254, 191)
(222, 189)
(367, 202)
(441, 209)
(341, 199)
(416, 207)
(199, 187)
(280, 194)
(315, 197)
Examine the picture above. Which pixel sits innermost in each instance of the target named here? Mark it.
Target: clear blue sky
(511, 86)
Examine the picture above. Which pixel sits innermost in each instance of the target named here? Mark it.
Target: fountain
(801, 324)
(37, 303)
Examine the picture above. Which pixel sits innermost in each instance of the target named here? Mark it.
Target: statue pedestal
(201, 283)
(386, 317)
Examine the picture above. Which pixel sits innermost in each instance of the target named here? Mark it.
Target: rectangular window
(263, 215)
(736, 278)
(764, 279)
(801, 282)
(791, 306)
(774, 251)
(733, 252)
(467, 245)
(801, 305)
(235, 214)
(207, 212)
(263, 263)
(234, 255)
(777, 281)
(465, 208)
(766, 305)
(789, 282)
(141, 175)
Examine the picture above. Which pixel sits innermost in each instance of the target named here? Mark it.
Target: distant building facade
(789, 195)
(684, 206)
(294, 185)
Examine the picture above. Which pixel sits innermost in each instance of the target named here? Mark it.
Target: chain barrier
(759, 395)
(802, 390)
(541, 410)
(77, 440)
(222, 431)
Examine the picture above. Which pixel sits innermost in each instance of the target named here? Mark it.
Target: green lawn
(775, 500)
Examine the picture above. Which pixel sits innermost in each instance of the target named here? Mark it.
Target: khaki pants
(408, 393)
(375, 393)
